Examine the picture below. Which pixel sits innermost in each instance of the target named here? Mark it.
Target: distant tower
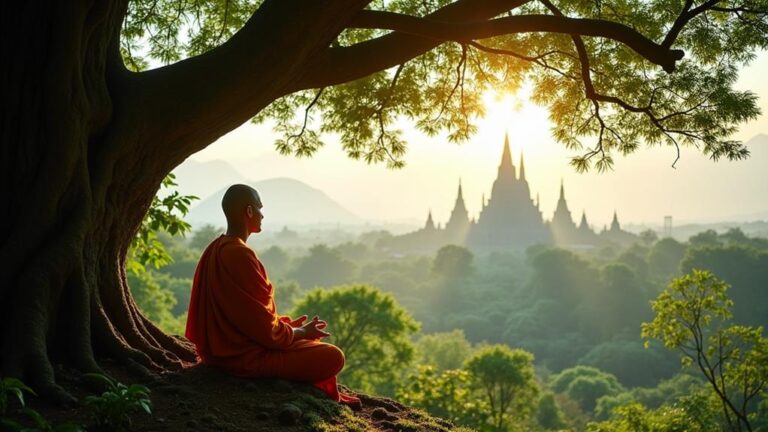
(667, 226)
(522, 167)
(458, 224)
(506, 167)
(583, 225)
(563, 228)
(615, 222)
(430, 225)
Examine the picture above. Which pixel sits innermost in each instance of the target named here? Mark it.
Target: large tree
(88, 132)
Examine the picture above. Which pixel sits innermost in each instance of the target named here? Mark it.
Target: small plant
(10, 387)
(111, 410)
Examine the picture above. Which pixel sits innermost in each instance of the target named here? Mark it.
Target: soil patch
(205, 399)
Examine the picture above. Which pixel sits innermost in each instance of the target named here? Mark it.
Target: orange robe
(234, 324)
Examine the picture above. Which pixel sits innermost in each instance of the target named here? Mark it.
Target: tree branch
(431, 31)
(187, 105)
(343, 64)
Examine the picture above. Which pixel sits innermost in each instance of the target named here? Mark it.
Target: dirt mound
(205, 399)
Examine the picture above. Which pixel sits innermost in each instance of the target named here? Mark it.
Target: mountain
(204, 178)
(287, 202)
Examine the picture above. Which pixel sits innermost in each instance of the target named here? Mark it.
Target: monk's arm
(250, 303)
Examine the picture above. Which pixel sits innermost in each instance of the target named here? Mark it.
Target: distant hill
(287, 202)
(202, 179)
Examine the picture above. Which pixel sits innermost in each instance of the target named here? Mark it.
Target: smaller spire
(584, 224)
(562, 189)
(522, 166)
(430, 225)
(506, 167)
(615, 222)
(461, 195)
(482, 201)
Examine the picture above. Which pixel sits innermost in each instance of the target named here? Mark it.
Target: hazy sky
(642, 188)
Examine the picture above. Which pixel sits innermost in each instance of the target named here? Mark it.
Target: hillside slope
(204, 399)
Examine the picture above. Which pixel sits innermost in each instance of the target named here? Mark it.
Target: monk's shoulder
(235, 254)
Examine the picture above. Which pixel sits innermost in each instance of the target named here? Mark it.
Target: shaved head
(237, 198)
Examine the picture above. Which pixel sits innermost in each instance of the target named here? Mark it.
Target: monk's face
(253, 215)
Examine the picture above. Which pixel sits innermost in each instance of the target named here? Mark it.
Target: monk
(232, 317)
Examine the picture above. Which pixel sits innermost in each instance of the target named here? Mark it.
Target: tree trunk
(85, 145)
(75, 189)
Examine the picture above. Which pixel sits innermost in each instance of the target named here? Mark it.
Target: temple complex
(510, 219)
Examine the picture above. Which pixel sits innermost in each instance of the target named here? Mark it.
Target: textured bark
(85, 145)
(75, 194)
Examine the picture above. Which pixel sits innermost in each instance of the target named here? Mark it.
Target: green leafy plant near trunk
(12, 388)
(111, 410)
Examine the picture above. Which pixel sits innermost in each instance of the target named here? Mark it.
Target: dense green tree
(563, 276)
(106, 132)
(443, 351)
(634, 366)
(691, 414)
(203, 236)
(616, 303)
(666, 393)
(585, 385)
(548, 414)
(453, 262)
(506, 379)
(634, 257)
(370, 327)
(705, 238)
(276, 260)
(323, 266)
(746, 270)
(447, 394)
(691, 317)
(664, 258)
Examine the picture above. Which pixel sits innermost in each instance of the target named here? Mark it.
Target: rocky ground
(204, 399)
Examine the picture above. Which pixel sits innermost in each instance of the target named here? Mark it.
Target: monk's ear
(249, 211)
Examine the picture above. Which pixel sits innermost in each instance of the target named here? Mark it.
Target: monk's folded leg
(310, 362)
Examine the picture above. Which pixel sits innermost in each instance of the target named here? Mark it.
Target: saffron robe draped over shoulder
(234, 324)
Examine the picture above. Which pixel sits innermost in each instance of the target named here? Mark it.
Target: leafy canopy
(692, 317)
(603, 97)
(370, 327)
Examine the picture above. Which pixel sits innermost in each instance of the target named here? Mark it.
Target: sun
(527, 124)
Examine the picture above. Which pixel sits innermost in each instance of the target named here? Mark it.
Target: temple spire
(615, 222)
(562, 190)
(430, 225)
(583, 224)
(506, 168)
(522, 166)
(461, 195)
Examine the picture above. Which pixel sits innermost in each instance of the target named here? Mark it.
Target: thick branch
(343, 64)
(187, 105)
(463, 32)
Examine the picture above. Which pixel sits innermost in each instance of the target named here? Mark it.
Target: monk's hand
(311, 330)
(298, 322)
(321, 324)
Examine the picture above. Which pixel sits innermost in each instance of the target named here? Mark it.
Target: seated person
(232, 318)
